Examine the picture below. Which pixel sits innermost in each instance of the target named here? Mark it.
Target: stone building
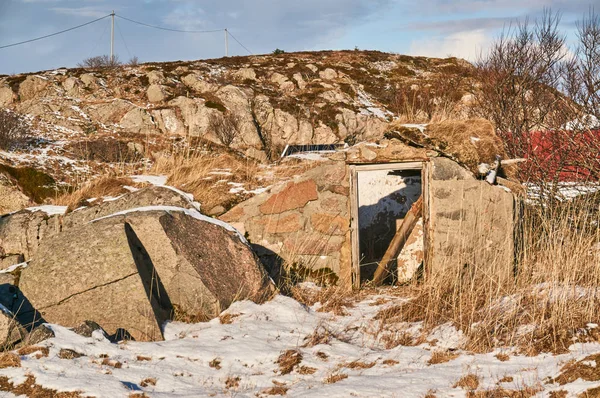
(339, 217)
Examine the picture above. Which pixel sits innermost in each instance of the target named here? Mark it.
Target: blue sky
(417, 27)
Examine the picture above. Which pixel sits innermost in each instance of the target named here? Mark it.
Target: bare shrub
(225, 126)
(533, 90)
(133, 61)
(14, 130)
(100, 62)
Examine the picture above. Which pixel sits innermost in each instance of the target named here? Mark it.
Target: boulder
(156, 77)
(138, 121)
(11, 199)
(328, 74)
(156, 93)
(6, 96)
(32, 87)
(135, 270)
(245, 74)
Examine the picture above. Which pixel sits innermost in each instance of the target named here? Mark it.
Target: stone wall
(305, 221)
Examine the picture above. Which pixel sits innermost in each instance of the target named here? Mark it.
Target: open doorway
(382, 195)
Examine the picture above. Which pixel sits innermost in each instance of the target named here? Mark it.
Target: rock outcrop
(129, 265)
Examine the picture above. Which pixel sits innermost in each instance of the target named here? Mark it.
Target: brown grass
(9, 360)
(194, 172)
(335, 377)
(306, 370)
(441, 357)
(506, 379)
(468, 382)
(499, 392)
(502, 357)
(112, 363)
(65, 353)
(215, 363)
(553, 294)
(149, 381)
(30, 389)
(288, 360)
(143, 358)
(227, 319)
(101, 187)
(232, 382)
(579, 370)
(277, 390)
(357, 365)
(390, 362)
(28, 350)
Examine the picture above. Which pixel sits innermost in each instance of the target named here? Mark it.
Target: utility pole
(112, 38)
(226, 43)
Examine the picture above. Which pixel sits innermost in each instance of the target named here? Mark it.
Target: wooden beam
(399, 240)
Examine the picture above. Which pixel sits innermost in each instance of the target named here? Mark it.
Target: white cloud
(88, 12)
(466, 44)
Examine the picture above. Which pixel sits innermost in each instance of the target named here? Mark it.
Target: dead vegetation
(211, 177)
(30, 389)
(544, 305)
(288, 360)
(9, 360)
(468, 382)
(438, 357)
(95, 189)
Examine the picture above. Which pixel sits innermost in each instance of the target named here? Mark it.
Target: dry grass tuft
(320, 335)
(227, 319)
(277, 390)
(99, 188)
(44, 351)
(232, 382)
(468, 382)
(288, 360)
(215, 363)
(335, 377)
(207, 175)
(30, 389)
(65, 353)
(441, 357)
(502, 357)
(498, 392)
(112, 363)
(150, 381)
(322, 356)
(390, 362)
(143, 358)
(580, 370)
(306, 370)
(9, 360)
(506, 379)
(357, 365)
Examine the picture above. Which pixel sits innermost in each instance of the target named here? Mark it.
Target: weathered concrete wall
(472, 222)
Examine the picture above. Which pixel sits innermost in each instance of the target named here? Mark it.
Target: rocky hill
(87, 122)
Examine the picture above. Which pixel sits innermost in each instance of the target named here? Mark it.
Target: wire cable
(123, 38)
(245, 48)
(54, 34)
(168, 29)
(98, 42)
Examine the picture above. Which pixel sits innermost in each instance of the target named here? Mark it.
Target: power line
(124, 42)
(54, 34)
(168, 29)
(245, 48)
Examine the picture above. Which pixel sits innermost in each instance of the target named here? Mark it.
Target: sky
(437, 28)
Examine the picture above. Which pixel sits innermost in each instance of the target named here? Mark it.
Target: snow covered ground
(324, 355)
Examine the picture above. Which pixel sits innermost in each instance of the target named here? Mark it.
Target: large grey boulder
(135, 270)
(21, 233)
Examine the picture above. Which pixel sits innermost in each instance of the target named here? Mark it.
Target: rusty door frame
(354, 231)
